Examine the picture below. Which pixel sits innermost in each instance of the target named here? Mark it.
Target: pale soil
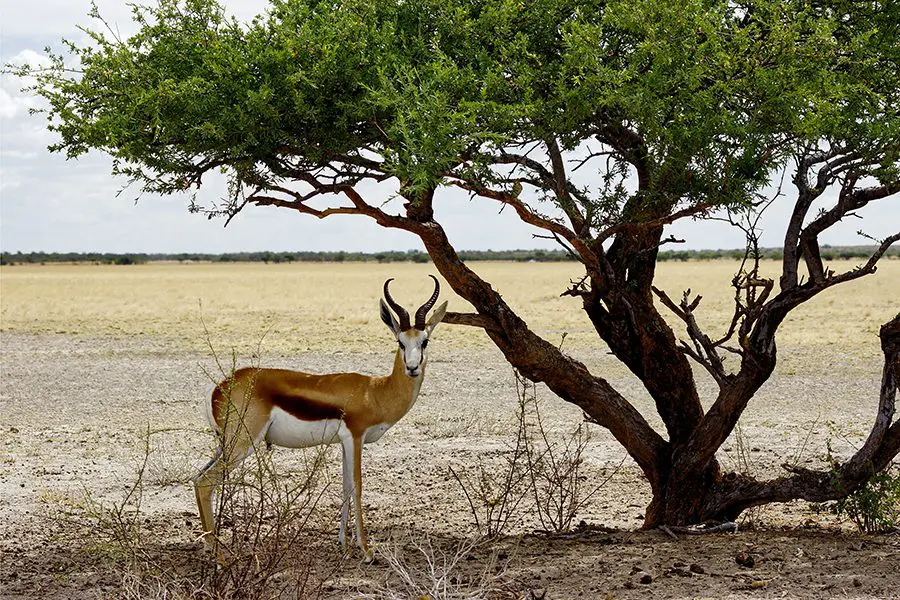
(73, 407)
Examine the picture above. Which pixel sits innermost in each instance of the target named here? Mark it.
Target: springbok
(297, 410)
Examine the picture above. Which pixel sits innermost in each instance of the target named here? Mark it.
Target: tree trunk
(686, 480)
(684, 499)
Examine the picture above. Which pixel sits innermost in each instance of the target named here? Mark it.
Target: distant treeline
(108, 258)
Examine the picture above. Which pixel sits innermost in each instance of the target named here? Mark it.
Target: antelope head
(412, 339)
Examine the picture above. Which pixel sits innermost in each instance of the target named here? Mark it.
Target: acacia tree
(677, 109)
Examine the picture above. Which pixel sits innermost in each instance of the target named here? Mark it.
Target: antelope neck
(400, 385)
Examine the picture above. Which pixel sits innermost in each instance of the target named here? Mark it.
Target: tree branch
(561, 188)
(539, 360)
(704, 350)
(837, 164)
(585, 253)
(881, 447)
(759, 357)
(690, 211)
(360, 206)
(472, 320)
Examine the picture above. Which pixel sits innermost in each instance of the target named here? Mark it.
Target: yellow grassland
(334, 306)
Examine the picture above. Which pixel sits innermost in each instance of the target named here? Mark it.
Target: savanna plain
(105, 370)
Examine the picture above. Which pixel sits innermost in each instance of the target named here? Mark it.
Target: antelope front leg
(357, 498)
(347, 468)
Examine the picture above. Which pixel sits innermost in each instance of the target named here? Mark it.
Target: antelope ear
(436, 317)
(388, 318)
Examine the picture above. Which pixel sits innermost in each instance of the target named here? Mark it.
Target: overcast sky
(50, 204)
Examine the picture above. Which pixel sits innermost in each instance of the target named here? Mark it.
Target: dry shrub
(425, 568)
(555, 467)
(495, 495)
(547, 468)
(271, 523)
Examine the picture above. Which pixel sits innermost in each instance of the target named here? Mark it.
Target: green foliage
(875, 506)
(705, 100)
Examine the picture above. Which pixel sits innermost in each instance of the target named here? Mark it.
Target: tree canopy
(599, 122)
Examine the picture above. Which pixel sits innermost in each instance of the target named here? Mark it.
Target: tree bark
(736, 493)
(540, 361)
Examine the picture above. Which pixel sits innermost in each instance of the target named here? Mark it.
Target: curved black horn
(423, 310)
(401, 312)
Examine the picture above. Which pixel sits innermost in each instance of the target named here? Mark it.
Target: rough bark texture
(538, 360)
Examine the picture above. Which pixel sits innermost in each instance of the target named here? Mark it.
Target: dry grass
(333, 307)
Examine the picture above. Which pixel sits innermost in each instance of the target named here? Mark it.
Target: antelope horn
(423, 310)
(401, 312)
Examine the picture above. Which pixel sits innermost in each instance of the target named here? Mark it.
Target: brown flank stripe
(304, 408)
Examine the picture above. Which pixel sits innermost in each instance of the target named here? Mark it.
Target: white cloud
(30, 57)
(7, 105)
(14, 101)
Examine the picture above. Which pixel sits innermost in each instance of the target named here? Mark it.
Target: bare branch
(690, 211)
(472, 320)
(866, 269)
(585, 253)
(512, 199)
(359, 206)
(800, 241)
(553, 180)
(561, 188)
(890, 379)
(877, 452)
(705, 350)
(590, 156)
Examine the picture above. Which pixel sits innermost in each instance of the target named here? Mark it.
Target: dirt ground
(75, 409)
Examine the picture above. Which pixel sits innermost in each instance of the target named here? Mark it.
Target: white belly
(374, 433)
(291, 432)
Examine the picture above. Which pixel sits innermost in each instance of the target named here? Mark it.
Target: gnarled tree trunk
(687, 482)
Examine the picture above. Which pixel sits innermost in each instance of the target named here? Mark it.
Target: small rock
(857, 582)
(745, 559)
(636, 569)
(646, 578)
(13, 430)
(695, 568)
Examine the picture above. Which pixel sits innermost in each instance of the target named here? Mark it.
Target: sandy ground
(74, 408)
